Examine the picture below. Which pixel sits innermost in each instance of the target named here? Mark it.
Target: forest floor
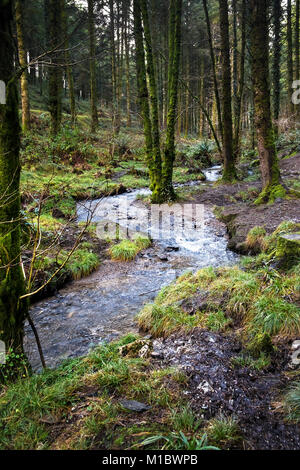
(215, 367)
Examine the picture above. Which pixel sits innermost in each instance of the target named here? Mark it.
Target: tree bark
(156, 155)
(290, 65)
(229, 173)
(239, 89)
(12, 311)
(213, 63)
(23, 61)
(93, 84)
(173, 77)
(262, 106)
(55, 71)
(68, 67)
(277, 14)
(142, 85)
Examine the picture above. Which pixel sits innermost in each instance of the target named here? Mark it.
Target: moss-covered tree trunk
(22, 59)
(67, 64)
(262, 107)
(12, 310)
(240, 84)
(229, 173)
(93, 84)
(297, 53)
(214, 71)
(277, 14)
(55, 70)
(127, 62)
(173, 77)
(290, 63)
(142, 85)
(114, 75)
(156, 155)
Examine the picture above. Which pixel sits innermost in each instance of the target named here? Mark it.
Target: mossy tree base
(270, 194)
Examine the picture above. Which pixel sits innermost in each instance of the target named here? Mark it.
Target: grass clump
(260, 363)
(127, 250)
(292, 403)
(223, 430)
(256, 239)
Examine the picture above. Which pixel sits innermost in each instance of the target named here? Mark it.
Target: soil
(240, 217)
(217, 387)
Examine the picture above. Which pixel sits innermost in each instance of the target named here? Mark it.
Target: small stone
(157, 355)
(133, 405)
(296, 345)
(205, 387)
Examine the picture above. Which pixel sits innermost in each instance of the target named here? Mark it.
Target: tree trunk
(156, 155)
(68, 67)
(240, 87)
(55, 71)
(229, 173)
(213, 63)
(297, 54)
(127, 62)
(23, 62)
(173, 76)
(277, 14)
(142, 85)
(115, 111)
(12, 311)
(93, 84)
(290, 65)
(262, 106)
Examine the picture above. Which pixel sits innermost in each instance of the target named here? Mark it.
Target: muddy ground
(217, 387)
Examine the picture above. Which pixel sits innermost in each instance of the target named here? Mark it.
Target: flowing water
(102, 306)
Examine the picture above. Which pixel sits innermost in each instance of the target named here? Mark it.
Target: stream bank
(102, 307)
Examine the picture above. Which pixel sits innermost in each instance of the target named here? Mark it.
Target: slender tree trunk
(290, 65)
(277, 15)
(12, 311)
(297, 53)
(156, 155)
(240, 86)
(22, 59)
(127, 63)
(229, 173)
(93, 84)
(173, 77)
(213, 63)
(68, 67)
(55, 71)
(262, 105)
(142, 85)
(116, 117)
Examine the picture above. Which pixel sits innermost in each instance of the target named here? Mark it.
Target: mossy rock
(288, 248)
(261, 342)
(139, 348)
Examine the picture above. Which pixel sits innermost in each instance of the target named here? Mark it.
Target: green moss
(270, 194)
(261, 362)
(127, 250)
(256, 239)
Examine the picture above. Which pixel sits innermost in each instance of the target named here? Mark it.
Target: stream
(101, 307)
